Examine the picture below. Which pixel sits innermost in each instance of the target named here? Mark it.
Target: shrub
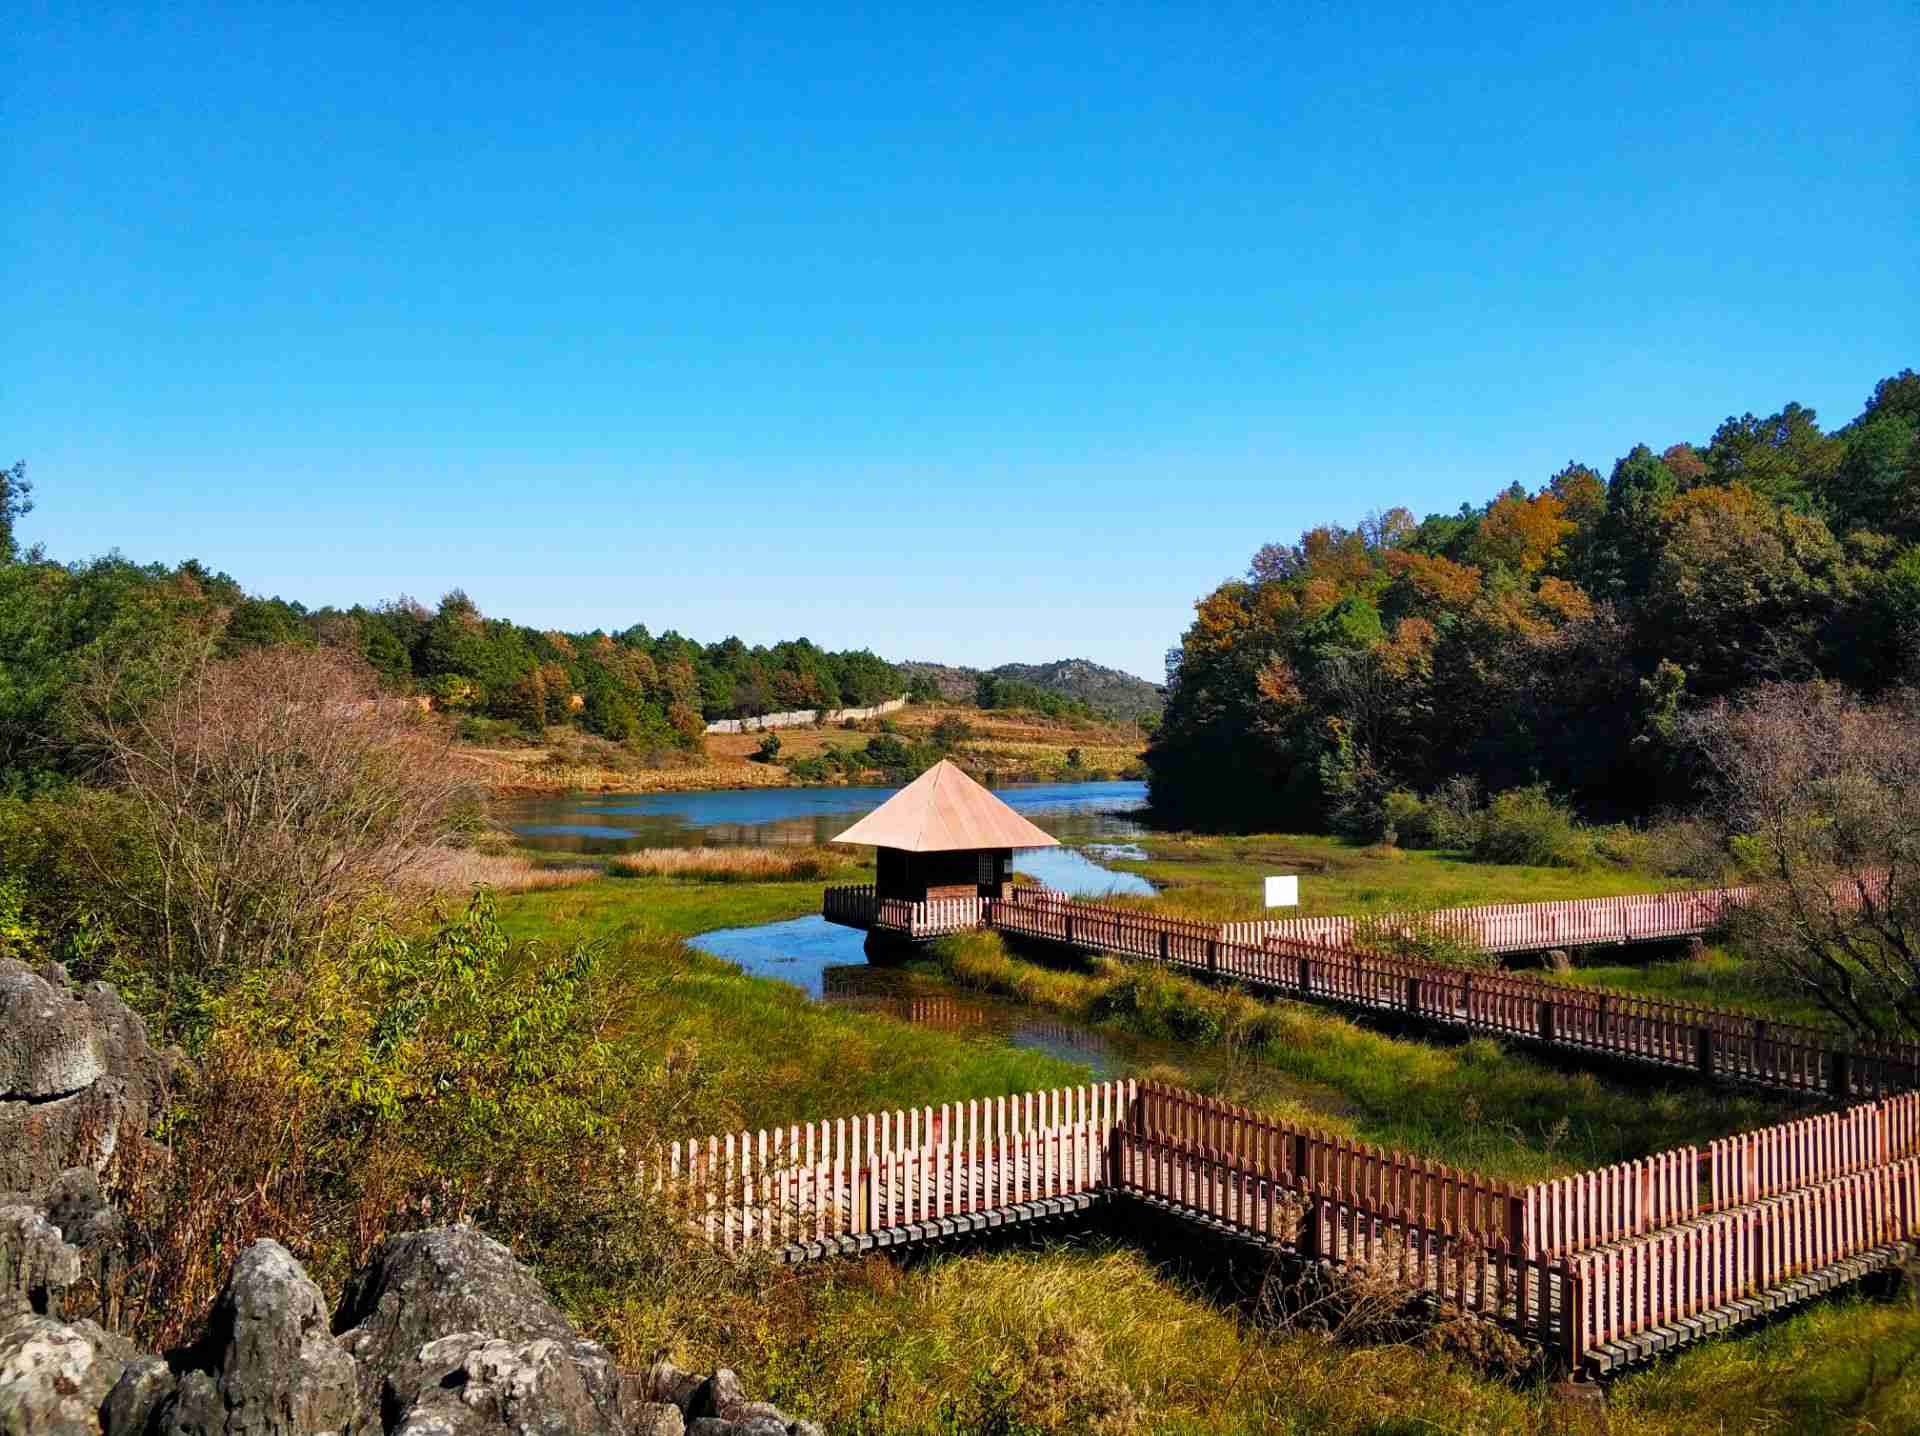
(1405, 819)
(768, 750)
(1452, 816)
(454, 1076)
(1530, 826)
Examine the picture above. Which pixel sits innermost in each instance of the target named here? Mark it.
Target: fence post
(1703, 1050)
(1840, 1073)
(1413, 995)
(1164, 955)
(1306, 975)
(1068, 928)
(1546, 1020)
(1213, 955)
(1572, 1306)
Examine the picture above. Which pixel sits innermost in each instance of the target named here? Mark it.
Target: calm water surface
(798, 817)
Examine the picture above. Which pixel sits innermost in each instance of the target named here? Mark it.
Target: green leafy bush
(1531, 827)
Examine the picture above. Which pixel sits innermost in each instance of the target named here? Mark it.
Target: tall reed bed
(735, 865)
(458, 870)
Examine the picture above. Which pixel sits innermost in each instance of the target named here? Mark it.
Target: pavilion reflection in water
(861, 988)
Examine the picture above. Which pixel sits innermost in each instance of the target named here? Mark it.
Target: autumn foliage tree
(1552, 636)
(265, 800)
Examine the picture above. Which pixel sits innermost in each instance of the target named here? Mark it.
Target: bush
(768, 750)
(1405, 819)
(413, 1081)
(1530, 826)
(1452, 815)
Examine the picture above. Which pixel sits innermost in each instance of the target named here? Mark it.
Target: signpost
(1283, 892)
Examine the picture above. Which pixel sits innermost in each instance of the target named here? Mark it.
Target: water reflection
(895, 995)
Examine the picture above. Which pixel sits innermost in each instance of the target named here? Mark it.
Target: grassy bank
(1079, 1340)
(1473, 1104)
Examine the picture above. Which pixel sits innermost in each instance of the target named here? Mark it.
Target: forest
(1553, 640)
(60, 620)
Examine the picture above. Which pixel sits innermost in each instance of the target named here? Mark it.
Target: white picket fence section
(879, 1170)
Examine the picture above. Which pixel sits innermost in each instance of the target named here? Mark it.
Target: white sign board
(1283, 892)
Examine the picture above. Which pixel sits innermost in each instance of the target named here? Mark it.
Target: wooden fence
(1224, 1190)
(1684, 1273)
(881, 1170)
(1715, 1042)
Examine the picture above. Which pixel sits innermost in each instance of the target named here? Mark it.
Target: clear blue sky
(966, 332)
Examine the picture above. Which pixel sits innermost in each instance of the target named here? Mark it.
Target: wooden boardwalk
(1712, 1042)
(1601, 1268)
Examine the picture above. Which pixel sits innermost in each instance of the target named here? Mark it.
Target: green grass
(654, 904)
(1090, 1338)
(1474, 1104)
(1218, 878)
(769, 1055)
(1720, 979)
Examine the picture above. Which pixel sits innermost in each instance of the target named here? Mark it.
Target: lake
(789, 817)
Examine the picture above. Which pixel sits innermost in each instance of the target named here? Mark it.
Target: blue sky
(971, 333)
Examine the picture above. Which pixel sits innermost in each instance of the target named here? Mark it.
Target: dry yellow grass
(460, 870)
(756, 865)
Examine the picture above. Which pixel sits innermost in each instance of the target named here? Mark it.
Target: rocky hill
(1107, 691)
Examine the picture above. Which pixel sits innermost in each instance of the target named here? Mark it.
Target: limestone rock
(657, 1418)
(267, 1365)
(36, 1265)
(54, 1377)
(1558, 959)
(667, 1382)
(452, 1335)
(142, 1387)
(75, 1070)
(716, 1394)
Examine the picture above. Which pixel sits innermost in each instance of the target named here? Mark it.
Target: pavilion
(943, 836)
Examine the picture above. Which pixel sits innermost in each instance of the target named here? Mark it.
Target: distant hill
(1107, 691)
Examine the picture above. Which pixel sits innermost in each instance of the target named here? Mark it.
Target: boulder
(1558, 959)
(716, 1394)
(667, 1382)
(36, 1264)
(145, 1384)
(267, 1364)
(54, 1377)
(76, 1070)
(657, 1418)
(452, 1335)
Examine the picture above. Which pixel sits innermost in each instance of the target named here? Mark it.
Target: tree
(768, 750)
(273, 797)
(15, 502)
(1820, 791)
(950, 732)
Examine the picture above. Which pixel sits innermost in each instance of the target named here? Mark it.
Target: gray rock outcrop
(76, 1070)
(267, 1365)
(55, 1377)
(452, 1335)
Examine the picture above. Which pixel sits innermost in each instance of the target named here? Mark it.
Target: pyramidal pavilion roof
(943, 810)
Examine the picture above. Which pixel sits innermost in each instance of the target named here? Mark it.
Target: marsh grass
(460, 870)
(1092, 1338)
(738, 865)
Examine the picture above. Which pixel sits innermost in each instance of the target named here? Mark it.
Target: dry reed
(460, 870)
(743, 865)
